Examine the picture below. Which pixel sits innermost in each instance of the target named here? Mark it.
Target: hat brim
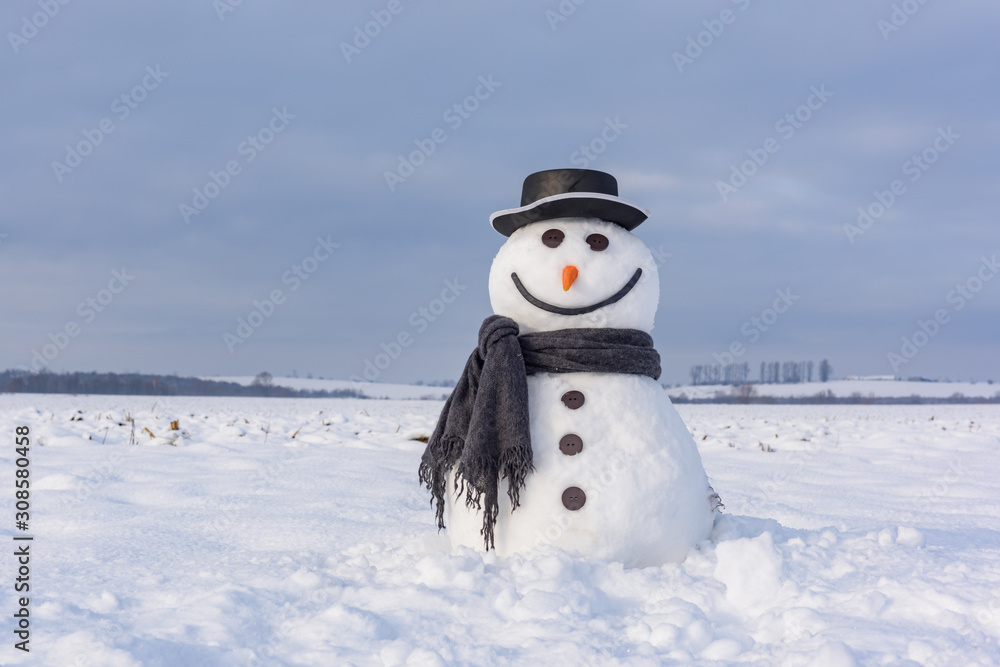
(571, 205)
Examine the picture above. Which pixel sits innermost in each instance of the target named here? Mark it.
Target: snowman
(558, 432)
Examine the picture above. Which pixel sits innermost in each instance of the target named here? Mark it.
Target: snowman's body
(647, 500)
(617, 438)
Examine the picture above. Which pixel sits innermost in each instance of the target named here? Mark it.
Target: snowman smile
(583, 310)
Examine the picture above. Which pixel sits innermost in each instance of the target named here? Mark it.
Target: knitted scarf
(483, 427)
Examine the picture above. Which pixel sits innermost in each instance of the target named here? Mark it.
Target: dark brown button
(598, 242)
(571, 444)
(573, 399)
(553, 238)
(574, 498)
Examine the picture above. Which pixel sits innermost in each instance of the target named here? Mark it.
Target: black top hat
(569, 193)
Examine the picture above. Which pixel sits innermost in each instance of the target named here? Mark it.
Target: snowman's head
(572, 273)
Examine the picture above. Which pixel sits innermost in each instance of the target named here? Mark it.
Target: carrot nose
(569, 275)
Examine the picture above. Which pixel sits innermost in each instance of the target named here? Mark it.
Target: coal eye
(553, 238)
(597, 242)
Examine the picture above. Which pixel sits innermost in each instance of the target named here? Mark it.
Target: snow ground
(870, 535)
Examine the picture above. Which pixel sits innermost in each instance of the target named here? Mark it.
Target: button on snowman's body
(616, 474)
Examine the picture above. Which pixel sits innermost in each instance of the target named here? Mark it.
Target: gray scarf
(484, 424)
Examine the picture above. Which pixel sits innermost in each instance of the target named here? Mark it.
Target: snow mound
(57, 482)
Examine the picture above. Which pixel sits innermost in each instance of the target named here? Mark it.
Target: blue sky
(753, 132)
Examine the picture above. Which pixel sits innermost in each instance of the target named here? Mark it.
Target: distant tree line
(719, 374)
(140, 384)
(788, 372)
(435, 383)
(738, 395)
(771, 372)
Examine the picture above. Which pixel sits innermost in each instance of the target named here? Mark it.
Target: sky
(168, 169)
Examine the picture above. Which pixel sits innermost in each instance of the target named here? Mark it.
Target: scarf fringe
(441, 454)
(516, 465)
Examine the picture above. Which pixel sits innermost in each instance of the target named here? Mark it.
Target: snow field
(868, 535)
